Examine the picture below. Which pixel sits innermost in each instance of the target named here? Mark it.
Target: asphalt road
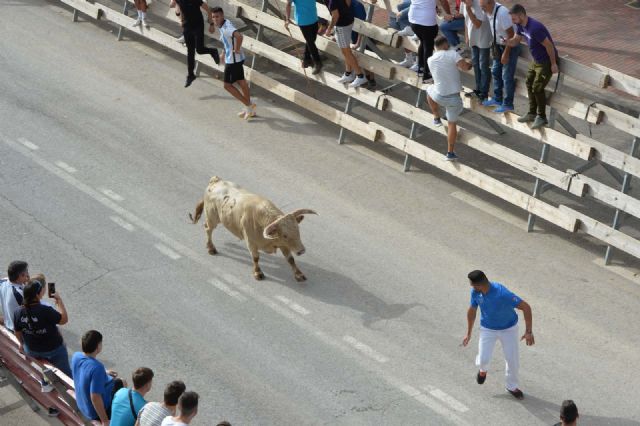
(102, 155)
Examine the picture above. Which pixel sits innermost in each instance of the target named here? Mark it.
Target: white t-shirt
(423, 12)
(479, 37)
(226, 37)
(445, 73)
(8, 300)
(503, 23)
(169, 421)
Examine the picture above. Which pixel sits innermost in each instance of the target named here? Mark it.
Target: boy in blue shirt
(498, 321)
(127, 403)
(306, 15)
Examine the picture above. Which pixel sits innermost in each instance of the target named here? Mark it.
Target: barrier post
(125, 13)
(412, 132)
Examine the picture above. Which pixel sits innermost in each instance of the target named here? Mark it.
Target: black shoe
(517, 393)
(317, 68)
(481, 378)
(216, 56)
(306, 63)
(190, 79)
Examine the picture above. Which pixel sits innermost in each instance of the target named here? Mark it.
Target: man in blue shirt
(127, 403)
(306, 15)
(498, 321)
(94, 385)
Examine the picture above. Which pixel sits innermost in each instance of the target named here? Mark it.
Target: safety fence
(576, 153)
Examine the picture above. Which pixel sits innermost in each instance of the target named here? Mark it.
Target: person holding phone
(36, 325)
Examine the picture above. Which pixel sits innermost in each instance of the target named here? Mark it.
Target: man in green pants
(544, 65)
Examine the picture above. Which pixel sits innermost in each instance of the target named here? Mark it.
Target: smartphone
(52, 289)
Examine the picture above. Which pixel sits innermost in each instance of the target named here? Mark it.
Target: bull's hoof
(258, 276)
(300, 278)
(212, 251)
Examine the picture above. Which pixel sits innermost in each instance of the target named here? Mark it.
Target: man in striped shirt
(153, 413)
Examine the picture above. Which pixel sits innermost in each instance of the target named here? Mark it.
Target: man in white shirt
(187, 407)
(153, 413)
(477, 34)
(505, 57)
(444, 65)
(11, 290)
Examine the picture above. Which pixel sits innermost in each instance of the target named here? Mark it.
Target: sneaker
(145, 23)
(427, 78)
(180, 39)
(502, 109)
(317, 67)
(347, 78)
(415, 67)
(450, 156)
(408, 62)
(517, 393)
(406, 32)
(359, 81)
(189, 80)
(526, 118)
(472, 94)
(216, 56)
(53, 412)
(491, 103)
(481, 377)
(539, 123)
(137, 23)
(306, 63)
(437, 122)
(46, 387)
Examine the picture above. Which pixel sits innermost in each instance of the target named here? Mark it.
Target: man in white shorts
(444, 65)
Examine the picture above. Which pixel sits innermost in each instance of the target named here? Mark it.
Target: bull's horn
(269, 228)
(300, 212)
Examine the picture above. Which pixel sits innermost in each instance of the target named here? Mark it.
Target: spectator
(498, 321)
(422, 16)
(445, 91)
(94, 385)
(187, 407)
(141, 7)
(233, 62)
(36, 326)
(306, 15)
(451, 25)
(153, 413)
(568, 414)
(127, 403)
(478, 36)
(401, 23)
(193, 32)
(543, 66)
(11, 290)
(359, 12)
(342, 21)
(505, 57)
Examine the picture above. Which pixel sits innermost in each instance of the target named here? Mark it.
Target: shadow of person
(549, 413)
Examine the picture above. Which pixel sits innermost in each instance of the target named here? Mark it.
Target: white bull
(251, 218)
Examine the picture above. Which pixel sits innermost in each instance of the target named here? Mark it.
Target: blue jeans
(503, 77)
(450, 30)
(481, 70)
(403, 21)
(58, 357)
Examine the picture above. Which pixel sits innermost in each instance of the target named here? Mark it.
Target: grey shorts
(452, 103)
(343, 36)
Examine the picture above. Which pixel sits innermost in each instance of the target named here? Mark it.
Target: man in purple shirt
(544, 65)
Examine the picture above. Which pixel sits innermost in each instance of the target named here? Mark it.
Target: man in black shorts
(193, 31)
(234, 62)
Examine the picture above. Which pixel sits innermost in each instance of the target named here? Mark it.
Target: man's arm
(507, 49)
(471, 319)
(287, 14)
(468, 7)
(98, 405)
(238, 37)
(18, 335)
(514, 41)
(528, 321)
(445, 6)
(551, 51)
(335, 15)
(205, 7)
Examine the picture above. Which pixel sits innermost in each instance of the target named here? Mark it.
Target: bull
(251, 218)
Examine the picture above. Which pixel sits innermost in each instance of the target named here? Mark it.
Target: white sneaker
(415, 67)
(46, 387)
(406, 32)
(137, 23)
(145, 23)
(347, 78)
(359, 81)
(180, 39)
(409, 60)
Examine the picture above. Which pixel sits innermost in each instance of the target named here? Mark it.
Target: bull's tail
(199, 208)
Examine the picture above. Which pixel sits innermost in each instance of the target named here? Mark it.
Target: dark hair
(217, 9)
(30, 292)
(188, 403)
(16, 268)
(568, 411)
(517, 9)
(90, 341)
(478, 277)
(224, 423)
(440, 41)
(173, 391)
(141, 376)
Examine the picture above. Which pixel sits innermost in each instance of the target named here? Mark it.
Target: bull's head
(285, 230)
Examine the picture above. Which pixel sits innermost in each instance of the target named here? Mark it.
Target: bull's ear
(271, 233)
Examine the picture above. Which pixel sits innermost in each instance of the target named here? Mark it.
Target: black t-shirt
(191, 12)
(41, 333)
(344, 10)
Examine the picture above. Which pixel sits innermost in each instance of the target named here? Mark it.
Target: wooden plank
(610, 196)
(620, 81)
(612, 156)
(89, 9)
(620, 120)
(605, 233)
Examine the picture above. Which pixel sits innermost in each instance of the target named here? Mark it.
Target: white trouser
(509, 341)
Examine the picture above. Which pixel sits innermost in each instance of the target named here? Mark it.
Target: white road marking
(446, 398)
(167, 251)
(64, 166)
(228, 290)
(489, 208)
(205, 261)
(365, 349)
(293, 306)
(109, 193)
(123, 223)
(32, 146)
(619, 270)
